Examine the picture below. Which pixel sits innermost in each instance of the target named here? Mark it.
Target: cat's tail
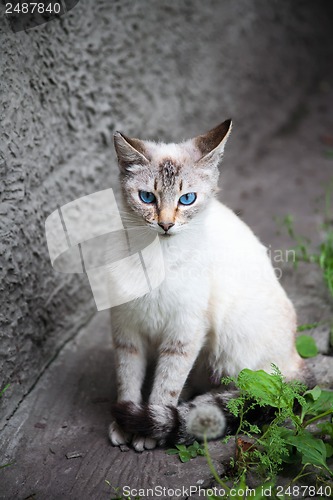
(205, 415)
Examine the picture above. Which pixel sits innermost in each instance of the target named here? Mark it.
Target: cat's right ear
(130, 152)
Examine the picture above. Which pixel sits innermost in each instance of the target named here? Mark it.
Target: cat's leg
(176, 359)
(130, 368)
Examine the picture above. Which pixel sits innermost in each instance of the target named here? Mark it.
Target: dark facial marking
(168, 172)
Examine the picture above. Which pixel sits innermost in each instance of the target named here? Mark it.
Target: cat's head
(168, 184)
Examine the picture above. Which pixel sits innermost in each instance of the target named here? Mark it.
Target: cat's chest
(165, 307)
(183, 294)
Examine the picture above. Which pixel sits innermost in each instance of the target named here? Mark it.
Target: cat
(219, 309)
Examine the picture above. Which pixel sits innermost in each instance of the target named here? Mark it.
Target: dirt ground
(57, 440)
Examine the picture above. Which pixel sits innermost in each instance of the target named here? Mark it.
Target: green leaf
(329, 450)
(306, 346)
(184, 456)
(326, 428)
(265, 388)
(195, 449)
(4, 389)
(322, 404)
(181, 447)
(172, 451)
(6, 465)
(186, 453)
(313, 450)
(314, 393)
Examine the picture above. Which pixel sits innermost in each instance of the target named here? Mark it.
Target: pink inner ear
(208, 142)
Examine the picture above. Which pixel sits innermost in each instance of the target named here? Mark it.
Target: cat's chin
(166, 235)
(163, 235)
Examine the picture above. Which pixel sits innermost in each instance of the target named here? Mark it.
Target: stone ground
(56, 441)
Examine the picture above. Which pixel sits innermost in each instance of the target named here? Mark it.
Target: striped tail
(206, 414)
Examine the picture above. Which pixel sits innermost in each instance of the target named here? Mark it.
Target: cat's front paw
(141, 443)
(128, 415)
(118, 436)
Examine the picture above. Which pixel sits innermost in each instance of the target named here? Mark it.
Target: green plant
(3, 390)
(323, 255)
(186, 453)
(286, 439)
(308, 326)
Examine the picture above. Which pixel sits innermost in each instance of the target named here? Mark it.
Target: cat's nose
(166, 225)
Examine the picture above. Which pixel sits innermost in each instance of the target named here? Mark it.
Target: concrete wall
(152, 69)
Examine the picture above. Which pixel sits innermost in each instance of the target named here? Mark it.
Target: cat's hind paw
(141, 443)
(117, 436)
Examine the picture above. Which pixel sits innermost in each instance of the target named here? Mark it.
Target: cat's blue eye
(188, 198)
(147, 197)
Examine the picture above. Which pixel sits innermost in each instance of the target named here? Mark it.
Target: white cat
(220, 308)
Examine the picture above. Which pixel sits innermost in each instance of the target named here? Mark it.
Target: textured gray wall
(152, 69)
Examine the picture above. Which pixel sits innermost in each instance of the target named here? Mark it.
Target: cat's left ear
(210, 146)
(131, 152)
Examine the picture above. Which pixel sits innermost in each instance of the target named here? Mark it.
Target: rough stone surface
(153, 69)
